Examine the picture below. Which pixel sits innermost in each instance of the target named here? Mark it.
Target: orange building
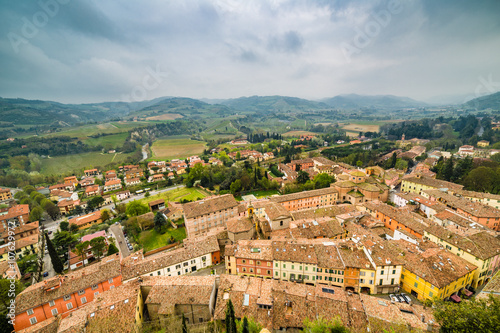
(308, 199)
(395, 219)
(86, 221)
(252, 258)
(61, 295)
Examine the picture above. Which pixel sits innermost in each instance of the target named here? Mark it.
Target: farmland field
(362, 127)
(76, 162)
(165, 116)
(298, 133)
(177, 147)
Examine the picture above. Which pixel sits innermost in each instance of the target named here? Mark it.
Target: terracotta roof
(482, 245)
(36, 294)
(239, 224)
(436, 266)
(113, 310)
(113, 182)
(304, 194)
(20, 243)
(274, 211)
(156, 202)
(170, 291)
(472, 208)
(413, 315)
(252, 249)
(80, 220)
(331, 211)
(321, 227)
(209, 205)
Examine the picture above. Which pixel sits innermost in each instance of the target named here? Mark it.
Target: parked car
(394, 298)
(45, 274)
(406, 298)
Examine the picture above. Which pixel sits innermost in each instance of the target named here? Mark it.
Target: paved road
(47, 267)
(117, 233)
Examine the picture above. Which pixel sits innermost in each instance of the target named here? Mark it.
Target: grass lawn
(176, 147)
(76, 162)
(151, 240)
(178, 194)
(261, 194)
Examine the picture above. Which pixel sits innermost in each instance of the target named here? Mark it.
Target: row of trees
(37, 202)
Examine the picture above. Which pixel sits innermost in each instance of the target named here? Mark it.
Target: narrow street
(117, 233)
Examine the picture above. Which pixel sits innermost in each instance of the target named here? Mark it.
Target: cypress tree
(230, 318)
(244, 328)
(184, 324)
(54, 257)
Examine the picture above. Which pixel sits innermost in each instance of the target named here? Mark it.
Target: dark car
(45, 274)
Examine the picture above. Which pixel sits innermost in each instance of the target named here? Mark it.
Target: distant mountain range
(353, 101)
(16, 111)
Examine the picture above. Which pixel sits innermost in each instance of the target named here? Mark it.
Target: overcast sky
(92, 51)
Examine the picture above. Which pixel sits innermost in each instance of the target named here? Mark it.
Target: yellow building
(481, 250)
(367, 280)
(419, 184)
(483, 143)
(5, 194)
(22, 247)
(436, 273)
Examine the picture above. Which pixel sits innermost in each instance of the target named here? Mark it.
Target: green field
(178, 194)
(112, 127)
(70, 163)
(151, 240)
(108, 141)
(177, 147)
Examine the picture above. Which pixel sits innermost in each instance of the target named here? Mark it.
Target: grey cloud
(289, 42)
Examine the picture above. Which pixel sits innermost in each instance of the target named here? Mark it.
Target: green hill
(485, 102)
(273, 104)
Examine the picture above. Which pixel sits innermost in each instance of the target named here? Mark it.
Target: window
(392, 281)
(269, 264)
(81, 292)
(380, 282)
(362, 274)
(371, 281)
(83, 300)
(67, 297)
(393, 271)
(244, 261)
(382, 272)
(276, 265)
(307, 268)
(94, 287)
(52, 303)
(284, 266)
(362, 280)
(416, 285)
(430, 294)
(276, 274)
(69, 306)
(281, 223)
(54, 312)
(268, 272)
(30, 312)
(284, 275)
(258, 263)
(33, 321)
